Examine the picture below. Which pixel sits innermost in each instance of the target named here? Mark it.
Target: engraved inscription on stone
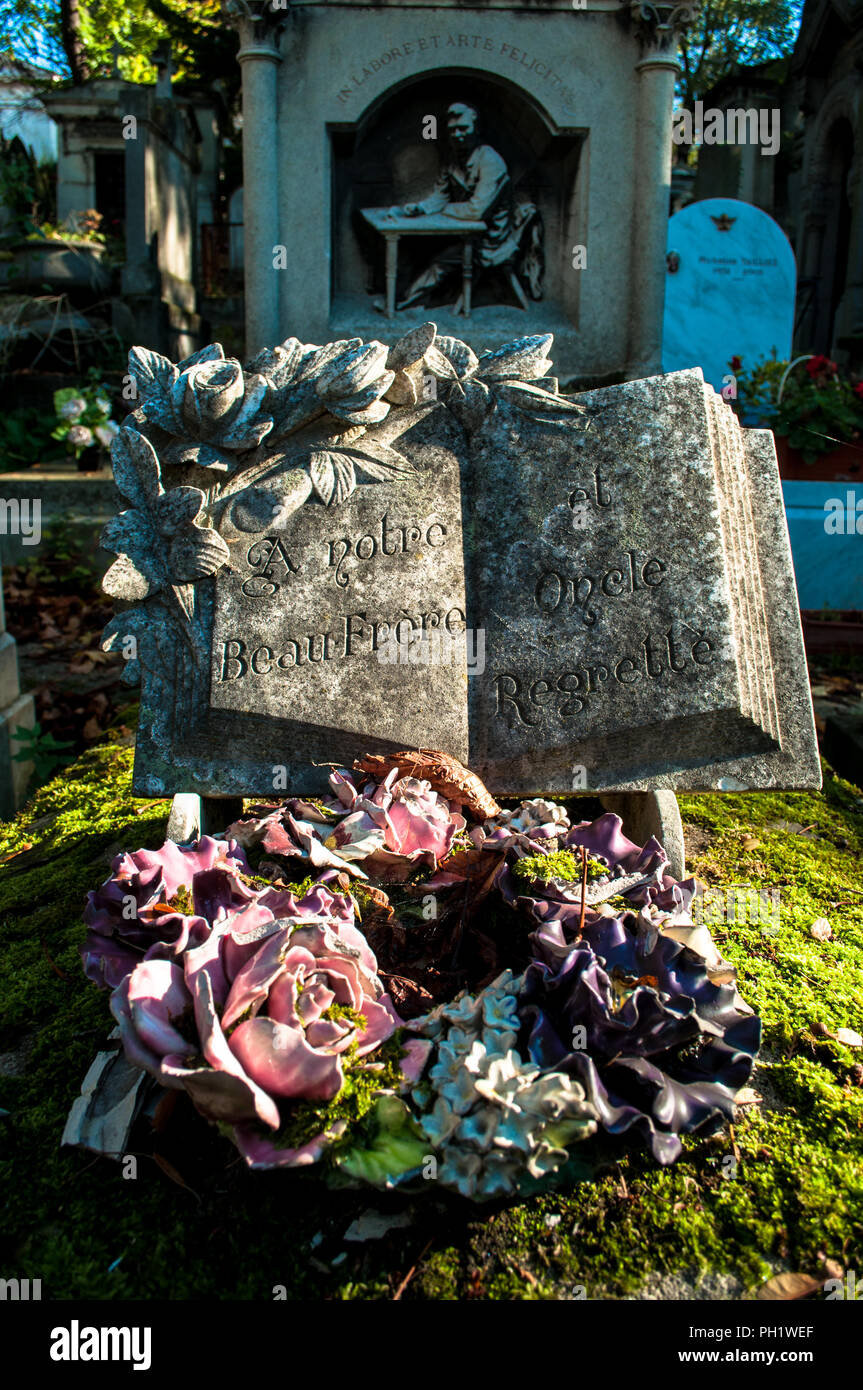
(305, 614)
(613, 628)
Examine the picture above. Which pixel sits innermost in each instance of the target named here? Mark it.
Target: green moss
(307, 1119)
(182, 901)
(563, 865)
(785, 1188)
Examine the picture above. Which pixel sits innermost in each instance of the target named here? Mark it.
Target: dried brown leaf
(785, 1287)
(447, 776)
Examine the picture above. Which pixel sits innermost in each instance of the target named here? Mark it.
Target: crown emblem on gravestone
(723, 222)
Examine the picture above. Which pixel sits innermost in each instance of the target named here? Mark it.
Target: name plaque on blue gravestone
(729, 290)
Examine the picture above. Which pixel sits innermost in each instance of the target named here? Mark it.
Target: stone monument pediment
(361, 548)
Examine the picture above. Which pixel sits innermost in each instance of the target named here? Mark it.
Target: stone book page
(320, 615)
(619, 625)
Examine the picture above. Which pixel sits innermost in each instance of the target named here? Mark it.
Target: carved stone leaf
(124, 580)
(148, 367)
(196, 553)
(180, 452)
(403, 390)
(292, 409)
(333, 476)
(177, 508)
(380, 462)
(346, 478)
(523, 359)
(147, 626)
(128, 531)
(458, 359)
(354, 371)
(136, 467)
(278, 364)
(213, 352)
(159, 407)
(371, 414)
(135, 539)
(412, 347)
(539, 404)
(323, 476)
(319, 357)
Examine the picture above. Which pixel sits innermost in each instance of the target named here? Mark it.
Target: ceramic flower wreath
(362, 982)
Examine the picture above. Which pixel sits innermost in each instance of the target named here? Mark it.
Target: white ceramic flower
(106, 433)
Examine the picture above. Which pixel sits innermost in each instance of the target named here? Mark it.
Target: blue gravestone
(729, 289)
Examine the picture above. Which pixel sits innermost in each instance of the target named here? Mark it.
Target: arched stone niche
(382, 158)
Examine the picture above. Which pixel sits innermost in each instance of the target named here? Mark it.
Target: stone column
(658, 24)
(259, 57)
(16, 712)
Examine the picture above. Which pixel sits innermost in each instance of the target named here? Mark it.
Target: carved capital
(258, 23)
(660, 23)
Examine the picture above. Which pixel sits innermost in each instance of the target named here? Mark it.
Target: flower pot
(92, 460)
(842, 464)
(63, 265)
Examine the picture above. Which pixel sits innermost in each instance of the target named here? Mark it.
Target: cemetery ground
(780, 1191)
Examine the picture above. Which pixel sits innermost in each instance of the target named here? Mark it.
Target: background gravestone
(732, 293)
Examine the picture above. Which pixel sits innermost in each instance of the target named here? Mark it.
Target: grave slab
(359, 548)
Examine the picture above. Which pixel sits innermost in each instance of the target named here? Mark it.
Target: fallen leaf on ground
(410, 998)
(22, 849)
(171, 1172)
(371, 1225)
(471, 874)
(748, 1096)
(789, 1286)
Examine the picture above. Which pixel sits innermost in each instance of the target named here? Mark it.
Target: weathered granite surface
(357, 548)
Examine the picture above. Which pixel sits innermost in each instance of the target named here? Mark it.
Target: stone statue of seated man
(473, 185)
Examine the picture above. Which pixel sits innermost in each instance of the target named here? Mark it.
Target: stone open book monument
(365, 548)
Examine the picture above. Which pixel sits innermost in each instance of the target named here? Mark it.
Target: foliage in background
(46, 332)
(26, 437)
(820, 409)
(47, 754)
(727, 34)
(78, 226)
(76, 37)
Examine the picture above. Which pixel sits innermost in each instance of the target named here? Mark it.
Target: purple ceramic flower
(661, 1042)
(165, 899)
(262, 1013)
